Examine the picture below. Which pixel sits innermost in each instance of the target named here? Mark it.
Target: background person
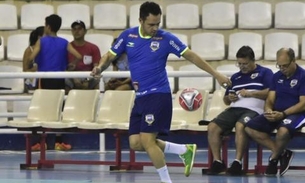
(284, 110)
(246, 98)
(90, 57)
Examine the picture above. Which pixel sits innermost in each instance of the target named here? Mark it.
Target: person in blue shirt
(147, 48)
(246, 97)
(284, 111)
(51, 53)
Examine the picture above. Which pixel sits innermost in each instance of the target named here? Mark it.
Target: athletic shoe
(62, 147)
(285, 161)
(271, 169)
(217, 167)
(235, 168)
(188, 158)
(37, 147)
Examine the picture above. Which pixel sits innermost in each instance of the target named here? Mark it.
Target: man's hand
(223, 80)
(96, 72)
(244, 93)
(273, 116)
(232, 97)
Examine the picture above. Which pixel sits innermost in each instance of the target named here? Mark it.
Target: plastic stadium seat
(290, 15)
(182, 16)
(105, 18)
(46, 105)
(80, 107)
(183, 39)
(210, 46)
(1, 48)
(15, 85)
(200, 83)
(113, 101)
(8, 17)
(134, 11)
(3, 109)
(71, 12)
(216, 104)
(103, 41)
(16, 44)
(237, 40)
(275, 41)
(188, 120)
(303, 47)
(21, 107)
(218, 15)
(254, 15)
(33, 15)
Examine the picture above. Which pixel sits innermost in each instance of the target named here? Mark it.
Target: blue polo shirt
(147, 57)
(288, 90)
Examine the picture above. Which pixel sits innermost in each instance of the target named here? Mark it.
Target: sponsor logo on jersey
(130, 44)
(118, 44)
(280, 81)
(157, 38)
(173, 44)
(133, 36)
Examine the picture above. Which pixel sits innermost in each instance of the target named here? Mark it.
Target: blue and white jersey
(259, 79)
(147, 57)
(288, 90)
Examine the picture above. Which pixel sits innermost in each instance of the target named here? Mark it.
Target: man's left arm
(260, 94)
(297, 108)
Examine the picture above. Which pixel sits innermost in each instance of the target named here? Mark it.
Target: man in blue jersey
(284, 111)
(147, 49)
(246, 98)
(51, 53)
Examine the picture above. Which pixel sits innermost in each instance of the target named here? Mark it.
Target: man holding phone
(284, 111)
(246, 97)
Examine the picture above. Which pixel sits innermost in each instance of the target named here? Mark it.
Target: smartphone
(232, 92)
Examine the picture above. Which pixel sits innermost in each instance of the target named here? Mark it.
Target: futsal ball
(190, 99)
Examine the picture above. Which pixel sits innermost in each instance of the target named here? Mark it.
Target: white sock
(164, 175)
(174, 148)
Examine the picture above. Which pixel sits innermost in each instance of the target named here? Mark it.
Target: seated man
(90, 58)
(246, 98)
(284, 111)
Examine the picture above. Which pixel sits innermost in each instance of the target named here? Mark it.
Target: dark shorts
(292, 123)
(228, 118)
(151, 114)
(54, 84)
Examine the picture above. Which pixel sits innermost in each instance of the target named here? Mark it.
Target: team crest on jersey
(287, 121)
(149, 119)
(154, 45)
(293, 83)
(254, 75)
(247, 119)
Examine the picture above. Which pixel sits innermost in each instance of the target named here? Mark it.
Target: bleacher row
(178, 15)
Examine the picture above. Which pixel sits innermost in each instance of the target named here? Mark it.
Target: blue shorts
(151, 114)
(292, 123)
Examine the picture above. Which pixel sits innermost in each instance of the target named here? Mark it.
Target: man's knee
(213, 128)
(135, 143)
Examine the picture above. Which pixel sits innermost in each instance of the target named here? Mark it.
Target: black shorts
(228, 118)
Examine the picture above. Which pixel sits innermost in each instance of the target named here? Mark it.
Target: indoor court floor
(10, 172)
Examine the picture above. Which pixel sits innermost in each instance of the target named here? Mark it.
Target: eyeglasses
(237, 64)
(285, 66)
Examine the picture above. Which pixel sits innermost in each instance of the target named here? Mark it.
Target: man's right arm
(269, 103)
(103, 64)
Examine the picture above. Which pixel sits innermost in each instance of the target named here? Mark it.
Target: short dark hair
(289, 51)
(246, 52)
(35, 34)
(54, 21)
(149, 8)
